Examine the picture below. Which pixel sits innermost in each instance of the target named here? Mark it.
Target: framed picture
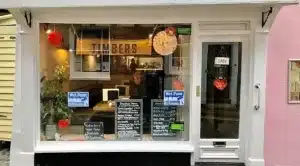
(294, 81)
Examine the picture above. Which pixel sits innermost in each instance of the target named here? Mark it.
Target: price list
(162, 116)
(129, 119)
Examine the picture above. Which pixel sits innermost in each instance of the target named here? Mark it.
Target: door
(223, 109)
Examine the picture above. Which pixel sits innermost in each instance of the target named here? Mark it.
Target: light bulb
(48, 31)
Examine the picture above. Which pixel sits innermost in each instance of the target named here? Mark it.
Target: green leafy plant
(54, 99)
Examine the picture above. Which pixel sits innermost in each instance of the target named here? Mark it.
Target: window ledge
(114, 146)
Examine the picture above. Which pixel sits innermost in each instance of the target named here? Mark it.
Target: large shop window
(114, 82)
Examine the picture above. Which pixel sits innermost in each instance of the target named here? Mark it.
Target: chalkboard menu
(129, 119)
(93, 130)
(162, 116)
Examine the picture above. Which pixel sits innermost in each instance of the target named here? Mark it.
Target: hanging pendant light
(55, 38)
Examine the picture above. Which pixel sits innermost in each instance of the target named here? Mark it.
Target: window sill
(114, 146)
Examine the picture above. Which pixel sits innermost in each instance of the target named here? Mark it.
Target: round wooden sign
(164, 44)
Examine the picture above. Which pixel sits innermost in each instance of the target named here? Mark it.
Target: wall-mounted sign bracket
(28, 18)
(265, 16)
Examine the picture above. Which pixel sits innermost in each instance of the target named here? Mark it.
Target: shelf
(103, 76)
(140, 69)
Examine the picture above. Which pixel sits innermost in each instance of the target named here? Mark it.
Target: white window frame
(109, 146)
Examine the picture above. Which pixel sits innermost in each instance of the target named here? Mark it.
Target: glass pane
(142, 61)
(220, 101)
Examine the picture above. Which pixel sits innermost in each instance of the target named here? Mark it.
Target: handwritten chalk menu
(129, 118)
(162, 116)
(93, 130)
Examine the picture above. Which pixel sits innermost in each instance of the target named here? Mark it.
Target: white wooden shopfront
(229, 22)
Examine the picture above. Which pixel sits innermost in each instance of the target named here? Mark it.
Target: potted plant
(54, 107)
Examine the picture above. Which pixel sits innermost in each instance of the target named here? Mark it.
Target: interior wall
(282, 145)
(51, 56)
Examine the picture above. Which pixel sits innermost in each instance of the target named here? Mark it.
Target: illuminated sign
(113, 47)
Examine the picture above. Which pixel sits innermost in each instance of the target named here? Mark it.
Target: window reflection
(128, 102)
(220, 101)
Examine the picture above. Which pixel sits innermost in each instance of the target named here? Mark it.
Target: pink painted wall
(282, 128)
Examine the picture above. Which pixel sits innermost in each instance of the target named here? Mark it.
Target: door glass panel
(220, 98)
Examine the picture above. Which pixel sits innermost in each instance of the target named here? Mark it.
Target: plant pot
(50, 132)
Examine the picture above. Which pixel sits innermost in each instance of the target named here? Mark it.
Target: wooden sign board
(113, 47)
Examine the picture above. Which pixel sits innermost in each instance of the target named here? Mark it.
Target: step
(219, 164)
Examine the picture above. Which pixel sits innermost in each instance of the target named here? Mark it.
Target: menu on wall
(162, 116)
(294, 81)
(93, 130)
(129, 118)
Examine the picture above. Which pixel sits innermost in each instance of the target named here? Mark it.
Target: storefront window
(114, 82)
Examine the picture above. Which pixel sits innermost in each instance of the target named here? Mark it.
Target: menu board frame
(141, 119)
(160, 137)
(294, 81)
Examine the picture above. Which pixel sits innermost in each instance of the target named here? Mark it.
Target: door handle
(257, 89)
